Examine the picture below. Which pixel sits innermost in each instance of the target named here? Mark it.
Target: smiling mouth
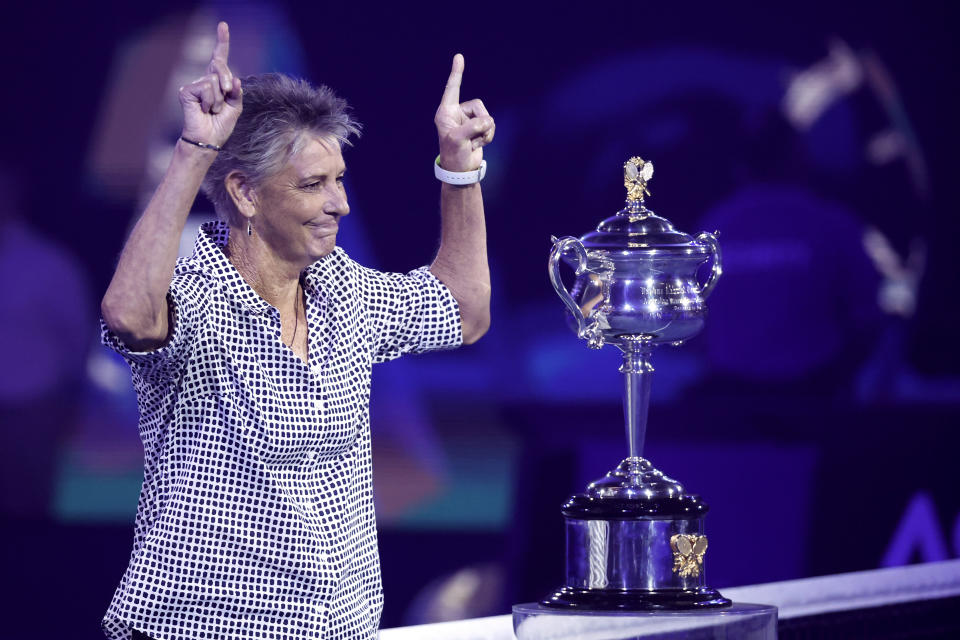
(330, 228)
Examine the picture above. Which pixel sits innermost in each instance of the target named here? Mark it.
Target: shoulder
(191, 270)
(193, 281)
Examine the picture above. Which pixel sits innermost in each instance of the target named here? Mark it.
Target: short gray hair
(277, 110)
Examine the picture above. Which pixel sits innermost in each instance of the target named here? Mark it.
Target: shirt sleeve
(186, 300)
(408, 313)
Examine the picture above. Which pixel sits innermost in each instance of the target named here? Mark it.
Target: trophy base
(635, 555)
(634, 599)
(743, 621)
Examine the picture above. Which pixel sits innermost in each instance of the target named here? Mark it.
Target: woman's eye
(319, 184)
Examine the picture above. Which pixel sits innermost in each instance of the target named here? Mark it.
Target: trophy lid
(636, 227)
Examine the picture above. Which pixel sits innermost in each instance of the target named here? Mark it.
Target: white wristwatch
(459, 177)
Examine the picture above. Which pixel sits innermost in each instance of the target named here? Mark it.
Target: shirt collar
(209, 252)
(320, 271)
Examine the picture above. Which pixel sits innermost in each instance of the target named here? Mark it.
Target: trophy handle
(588, 330)
(716, 269)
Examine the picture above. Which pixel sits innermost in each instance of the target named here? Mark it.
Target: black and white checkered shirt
(256, 518)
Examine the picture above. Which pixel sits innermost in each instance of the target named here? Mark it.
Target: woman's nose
(337, 205)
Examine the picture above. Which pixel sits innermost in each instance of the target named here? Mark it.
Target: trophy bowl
(635, 538)
(636, 275)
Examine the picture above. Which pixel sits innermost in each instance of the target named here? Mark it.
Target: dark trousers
(137, 635)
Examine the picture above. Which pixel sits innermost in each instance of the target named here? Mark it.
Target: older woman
(252, 360)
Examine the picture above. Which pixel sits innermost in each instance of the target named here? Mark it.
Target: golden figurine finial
(636, 174)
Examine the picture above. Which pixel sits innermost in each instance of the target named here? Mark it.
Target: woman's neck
(273, 279)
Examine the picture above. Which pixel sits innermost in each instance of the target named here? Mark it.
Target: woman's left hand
(463, 127)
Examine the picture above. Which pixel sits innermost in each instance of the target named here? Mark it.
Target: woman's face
(299, 208)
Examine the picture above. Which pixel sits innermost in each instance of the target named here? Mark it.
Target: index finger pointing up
(451, 94)
(222, 50)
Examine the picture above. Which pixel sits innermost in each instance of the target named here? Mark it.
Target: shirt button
(318, 405)
(311, 454)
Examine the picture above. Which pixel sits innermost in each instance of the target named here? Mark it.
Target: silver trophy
(635, 538)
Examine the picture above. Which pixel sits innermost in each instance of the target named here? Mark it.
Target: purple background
(818, 424)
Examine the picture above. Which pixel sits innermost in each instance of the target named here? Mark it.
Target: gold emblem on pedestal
(688, 553)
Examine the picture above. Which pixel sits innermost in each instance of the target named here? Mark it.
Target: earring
(249, 228)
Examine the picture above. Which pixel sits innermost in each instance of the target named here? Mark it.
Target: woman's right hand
(212, 103)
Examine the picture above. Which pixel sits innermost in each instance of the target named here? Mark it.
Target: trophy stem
(637, 372)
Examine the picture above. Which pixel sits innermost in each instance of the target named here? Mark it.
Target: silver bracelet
(202, 145)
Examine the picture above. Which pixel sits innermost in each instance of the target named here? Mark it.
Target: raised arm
(135, 304)
(461, 263)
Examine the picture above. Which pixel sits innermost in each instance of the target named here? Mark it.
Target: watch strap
(459, 177)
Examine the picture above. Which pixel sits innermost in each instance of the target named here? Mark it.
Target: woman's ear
(242, 194)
